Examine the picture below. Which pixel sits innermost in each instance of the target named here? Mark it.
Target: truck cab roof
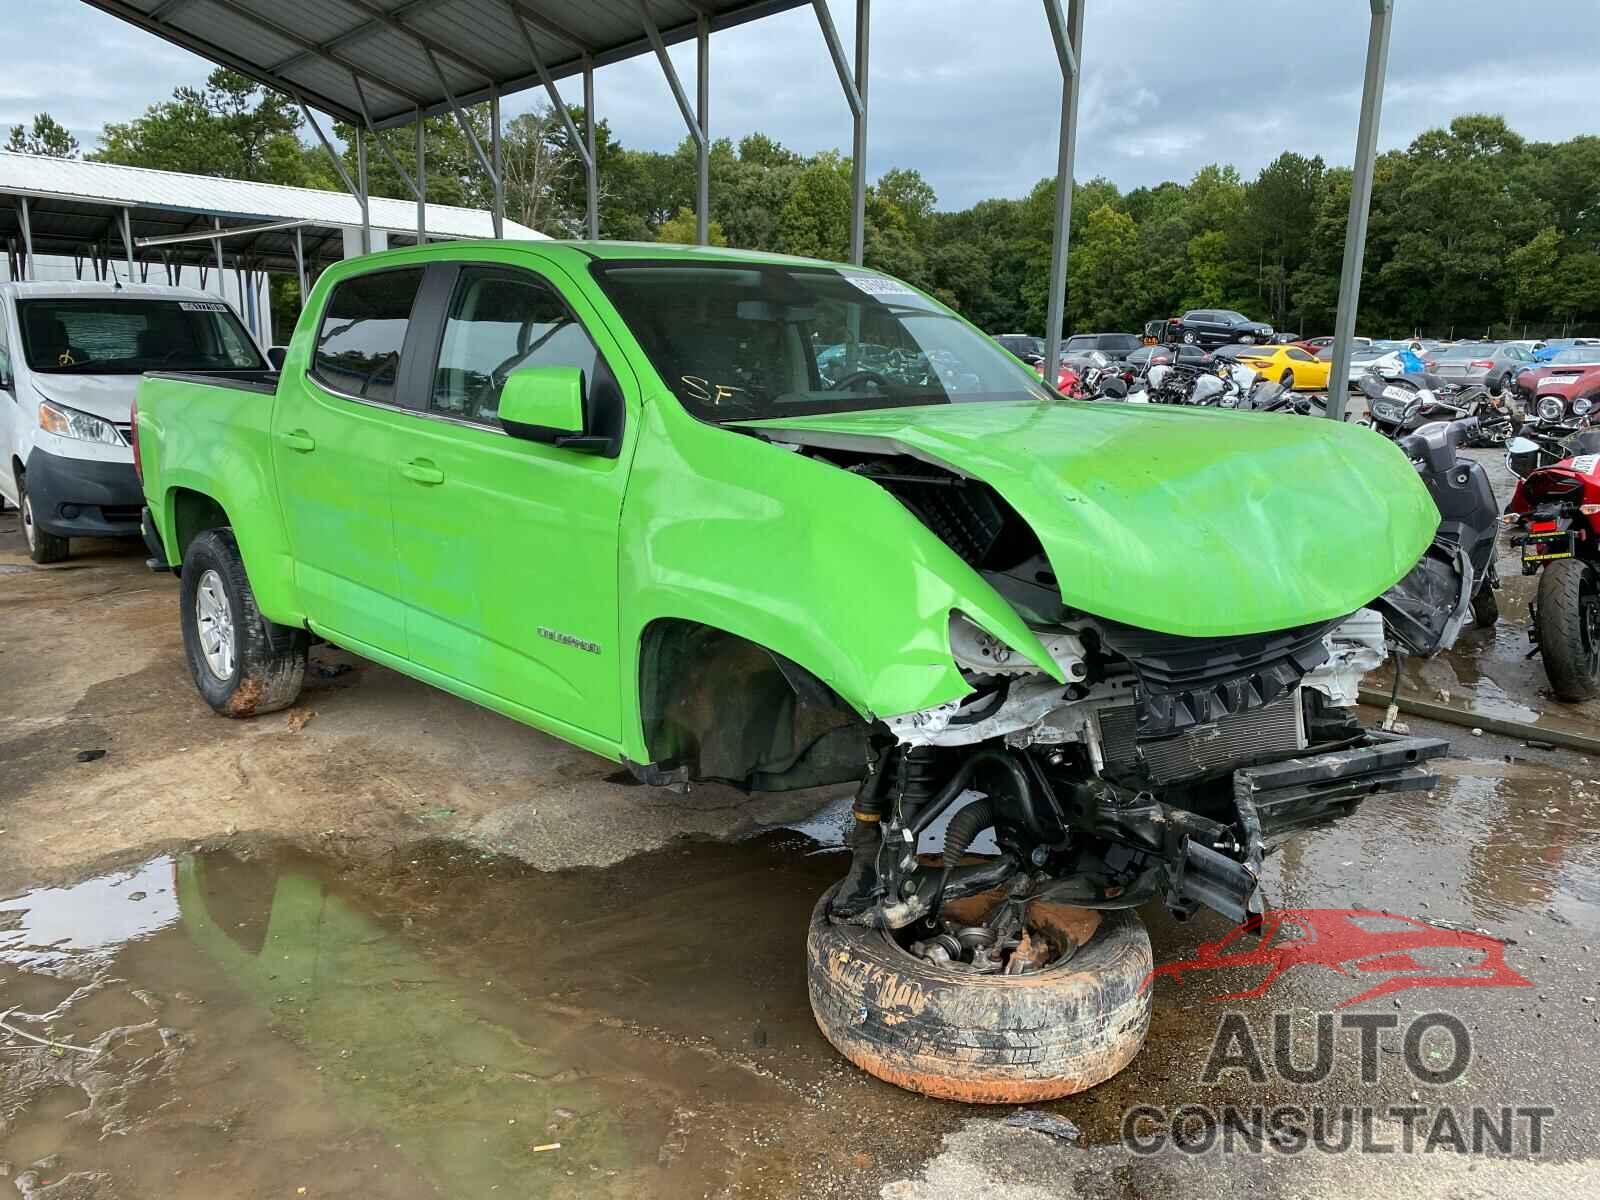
(69, 289)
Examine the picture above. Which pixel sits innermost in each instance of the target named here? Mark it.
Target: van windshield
(113, 335)
(736, 341)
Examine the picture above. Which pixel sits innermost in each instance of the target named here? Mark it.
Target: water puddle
(262, 1021)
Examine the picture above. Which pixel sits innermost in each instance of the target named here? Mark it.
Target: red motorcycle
(1555, 513)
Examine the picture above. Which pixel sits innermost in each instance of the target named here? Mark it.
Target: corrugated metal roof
(319, 48)
(231, 199)
(75, 208)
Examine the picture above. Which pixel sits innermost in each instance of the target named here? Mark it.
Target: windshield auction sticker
(202, 306)
(877, 285)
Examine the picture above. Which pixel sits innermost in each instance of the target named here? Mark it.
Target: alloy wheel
(28, 530)
(214, 619)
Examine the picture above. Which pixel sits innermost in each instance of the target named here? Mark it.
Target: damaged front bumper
(1274, 800)
(1100, 845)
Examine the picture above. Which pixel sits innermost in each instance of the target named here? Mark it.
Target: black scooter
(1456, 578)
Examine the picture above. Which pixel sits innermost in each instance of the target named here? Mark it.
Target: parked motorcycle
(1555, 518)
(1425, 612)
(1401, 404)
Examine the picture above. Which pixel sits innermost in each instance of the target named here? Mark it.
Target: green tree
(815, 220)
(233, 127)
(680, 230)
(1097, 294)
(1532, 283)
(45, 136)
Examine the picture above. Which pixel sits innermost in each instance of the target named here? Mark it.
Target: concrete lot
(393, 945)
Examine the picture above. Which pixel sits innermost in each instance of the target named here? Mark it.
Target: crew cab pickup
(70, 359)
(607, 490)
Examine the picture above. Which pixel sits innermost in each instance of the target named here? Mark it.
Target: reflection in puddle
(271, 1022)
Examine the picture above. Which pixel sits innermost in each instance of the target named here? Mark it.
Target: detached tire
(981, 1039)
(1569, 629)
(242, 663)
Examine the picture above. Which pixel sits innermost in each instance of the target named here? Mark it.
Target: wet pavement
(383, 955)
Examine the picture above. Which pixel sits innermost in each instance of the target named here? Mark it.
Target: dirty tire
(269, 660)
(1286, 380)
(1569, 629)
(981, 1039)
(1485, 607)
(42, 547)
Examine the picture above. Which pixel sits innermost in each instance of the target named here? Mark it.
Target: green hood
(1198, 522)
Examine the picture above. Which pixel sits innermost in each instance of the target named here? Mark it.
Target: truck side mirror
(546, 404)
(276, 356)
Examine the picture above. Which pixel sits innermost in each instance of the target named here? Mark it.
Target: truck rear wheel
(42, 547)
(982, 1039)
(1568, 615)
(242, 663)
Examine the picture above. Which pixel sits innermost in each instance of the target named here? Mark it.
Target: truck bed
(245, 381)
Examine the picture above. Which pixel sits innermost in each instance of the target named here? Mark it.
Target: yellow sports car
(1289, 365)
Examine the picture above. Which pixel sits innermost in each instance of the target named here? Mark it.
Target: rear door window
(364, 332)
(500, 320)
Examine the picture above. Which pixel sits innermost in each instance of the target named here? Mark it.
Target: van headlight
(1582, 405)
(70, 423)
(1551, 408)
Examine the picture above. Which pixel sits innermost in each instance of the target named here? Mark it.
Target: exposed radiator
(1272, 729)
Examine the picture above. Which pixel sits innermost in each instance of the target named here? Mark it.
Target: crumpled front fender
(817, 564)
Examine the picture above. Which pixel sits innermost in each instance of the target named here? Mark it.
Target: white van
(70, 359)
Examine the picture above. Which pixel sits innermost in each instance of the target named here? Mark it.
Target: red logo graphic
(1337, 939)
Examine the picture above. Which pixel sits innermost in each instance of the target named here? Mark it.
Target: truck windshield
(113, 335)
(737, 341)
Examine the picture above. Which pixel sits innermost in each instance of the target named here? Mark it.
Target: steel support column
(216, 244)
(27, 237)
(1067, 33)
(497, 173)
(696, 132)
(422, 179)
(1355, 234)
(583, 144)
(702, 194)
(472, 135)
(858, 153)
(593, 165)
(300, 264)
(853, 83)
(359, 192)
(127, 241)
(383, 148)
(362, 190)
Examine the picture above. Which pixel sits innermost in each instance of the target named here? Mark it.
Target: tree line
(1473, 230)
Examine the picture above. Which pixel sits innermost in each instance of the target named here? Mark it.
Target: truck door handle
(299, 440)
(422, 471)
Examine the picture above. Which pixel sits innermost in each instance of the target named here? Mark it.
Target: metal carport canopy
(318, 49)
(379, 63)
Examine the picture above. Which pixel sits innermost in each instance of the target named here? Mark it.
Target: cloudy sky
(967, 91)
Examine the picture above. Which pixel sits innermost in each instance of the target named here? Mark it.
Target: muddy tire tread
(982, 1039)
(270, 662)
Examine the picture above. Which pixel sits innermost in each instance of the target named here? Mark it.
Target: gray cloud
(967, 91)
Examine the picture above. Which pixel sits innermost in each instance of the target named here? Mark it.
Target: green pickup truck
(783, 523)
